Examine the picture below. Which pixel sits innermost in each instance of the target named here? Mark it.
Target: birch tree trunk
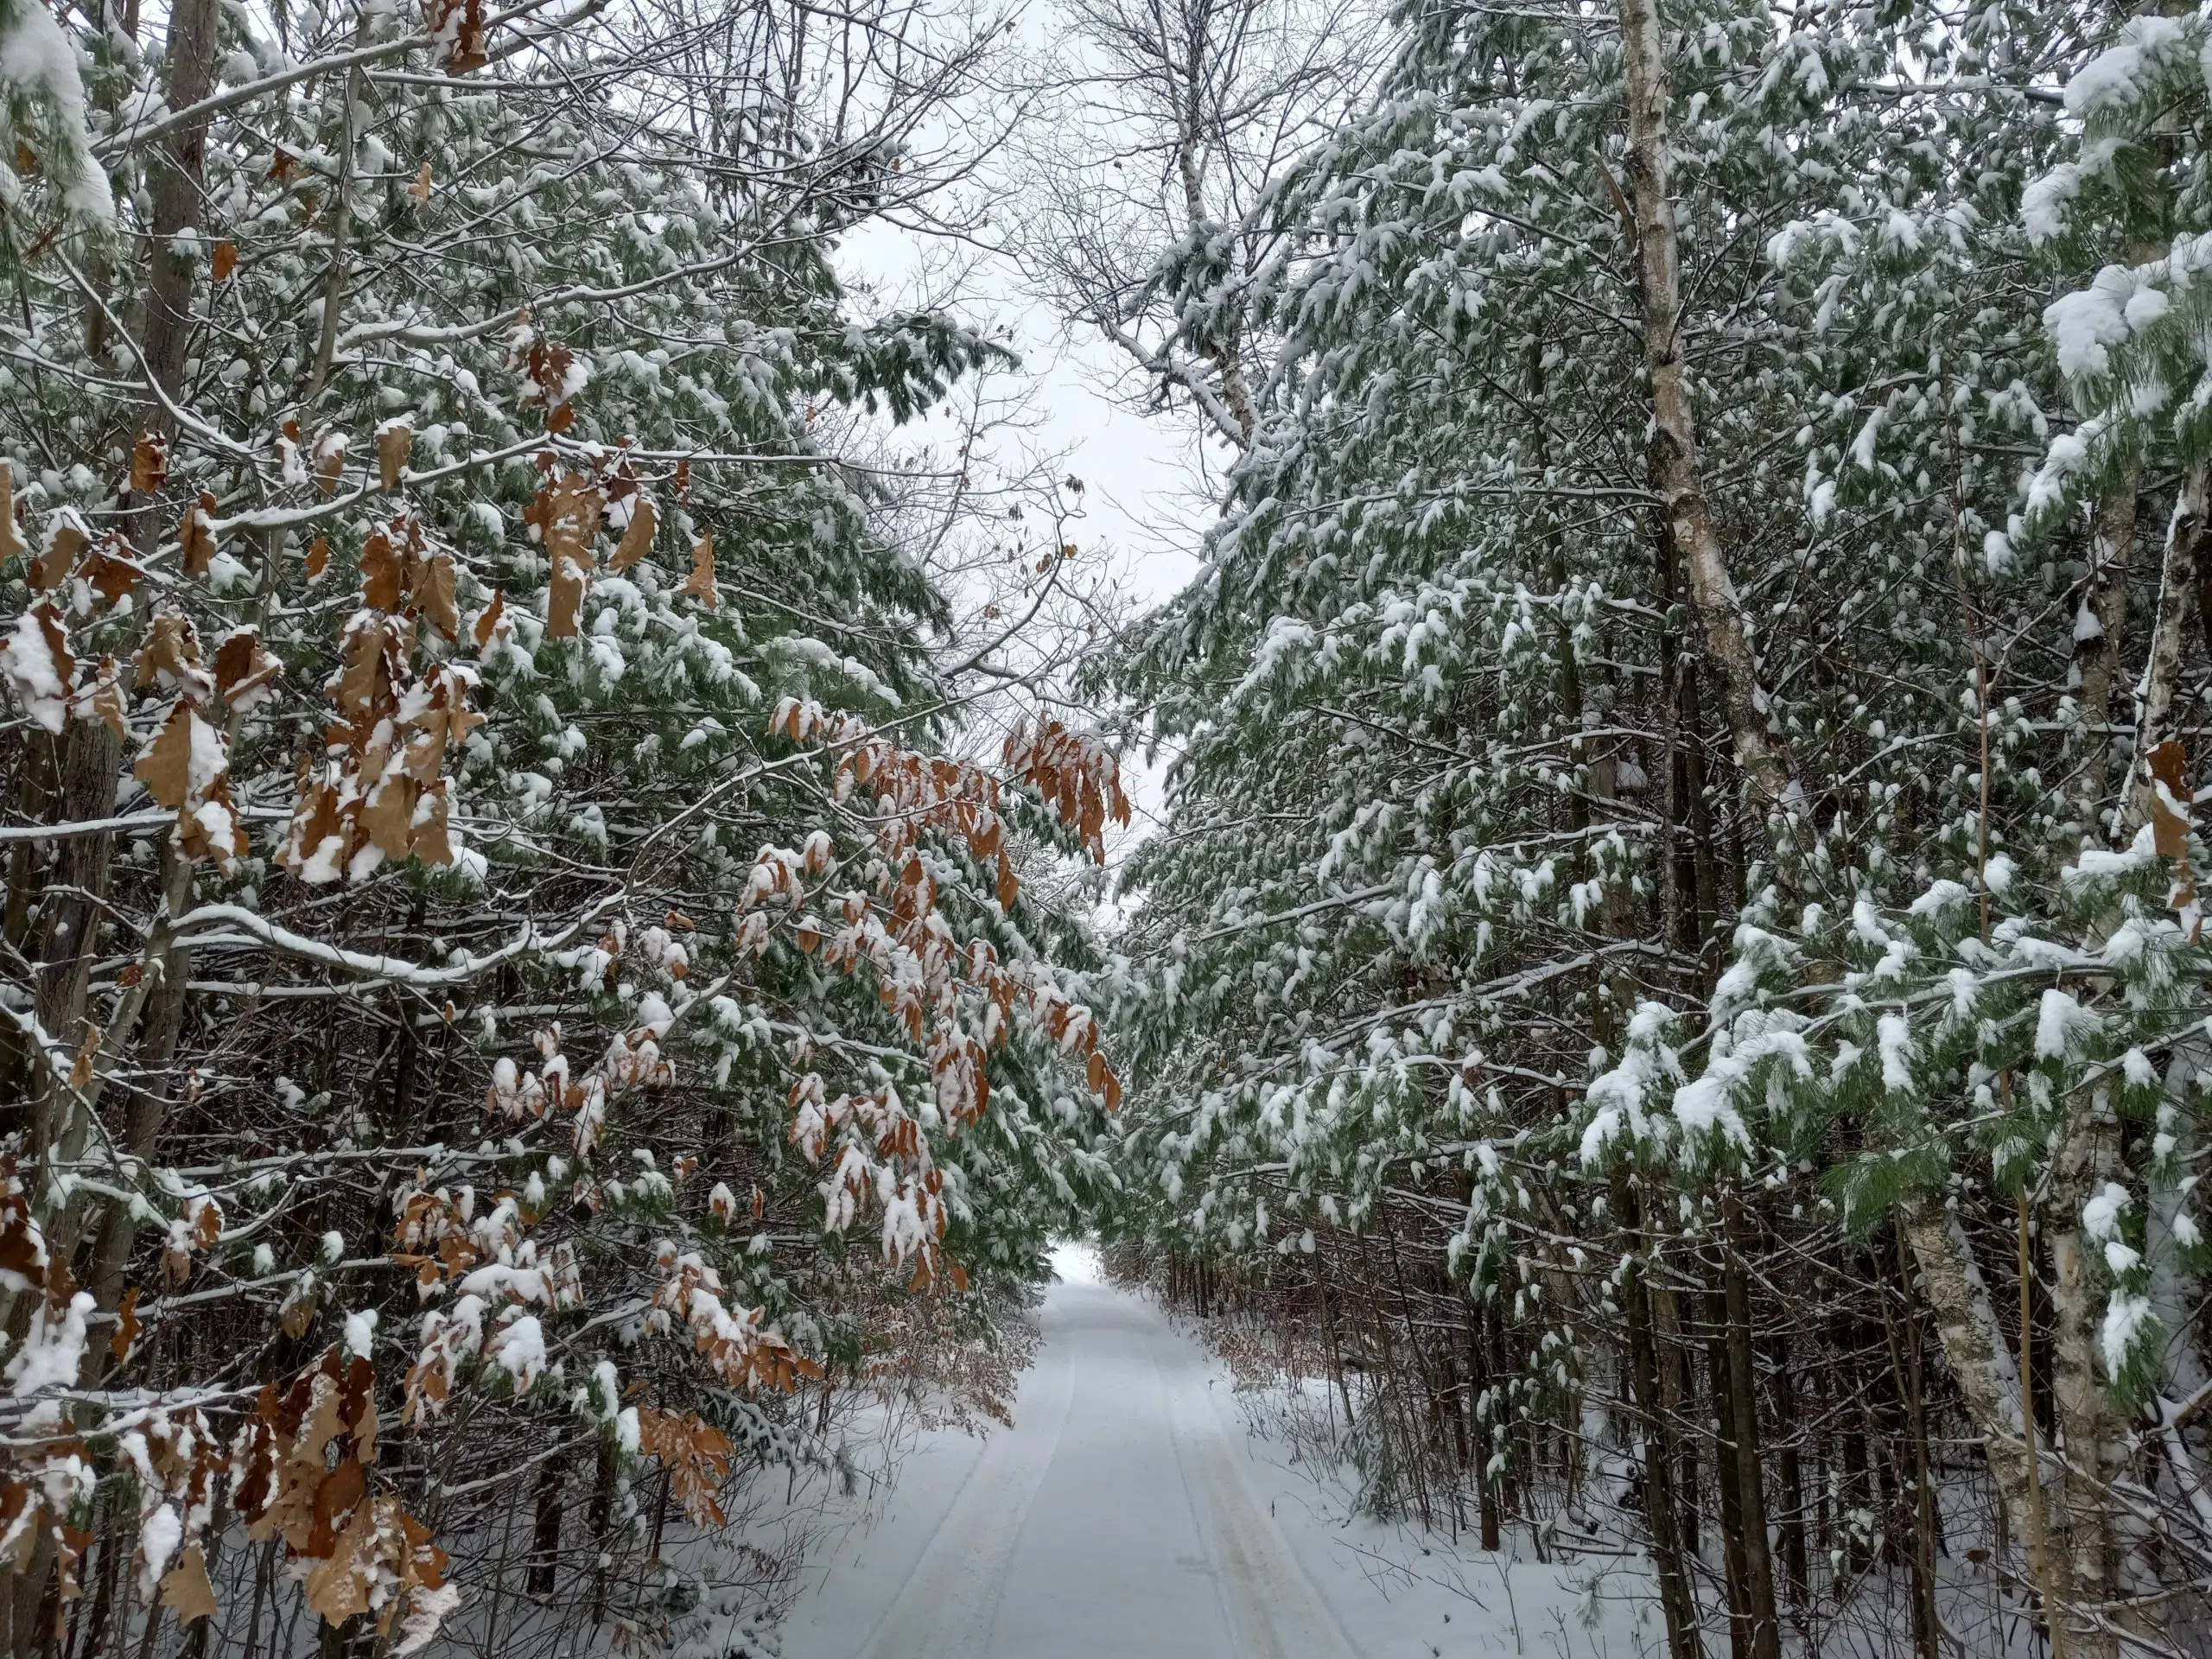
(2162, 668)
(1760, 753)
(2097, 630)
(1982, 1370)
(2088, 1156)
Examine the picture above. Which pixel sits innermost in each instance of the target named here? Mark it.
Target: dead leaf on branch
(150, 463)
(700, 585)
(244, 671)
(636, 536)
(457, 26)
(126, 1326)
(165, 767)
(80, 1069)
(66, 536)
(185, 1587)
(394, 442)
(169, 657)
(492, 621)
(696, 1455)
(196, 535)
(225, 261)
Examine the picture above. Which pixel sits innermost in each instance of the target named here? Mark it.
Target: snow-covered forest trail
(1113, 1519)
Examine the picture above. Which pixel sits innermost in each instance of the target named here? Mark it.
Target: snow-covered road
(1114, 1520)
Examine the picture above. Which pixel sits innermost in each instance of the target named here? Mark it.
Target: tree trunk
(2088, 1157)
(1751, 1480)
(1677, 1599)
(1675, 468)
(2097, 632)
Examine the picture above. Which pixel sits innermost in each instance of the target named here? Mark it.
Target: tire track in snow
(945, 1608)
(1271, 1604)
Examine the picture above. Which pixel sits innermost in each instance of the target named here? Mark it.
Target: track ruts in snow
(1111, 1521)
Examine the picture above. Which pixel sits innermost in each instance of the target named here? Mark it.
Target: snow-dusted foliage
(1680, 882)
(519, 986)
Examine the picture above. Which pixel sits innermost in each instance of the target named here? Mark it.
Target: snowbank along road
(1112, 1522)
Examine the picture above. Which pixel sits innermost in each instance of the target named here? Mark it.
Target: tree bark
(2097, 656)
(1761, 755)
(1750, 1478)
(1677, 1599)
(2088, 1157)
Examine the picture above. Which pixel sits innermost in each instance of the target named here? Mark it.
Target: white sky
(1145, 503)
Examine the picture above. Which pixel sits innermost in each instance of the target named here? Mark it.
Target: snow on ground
(1129, 1514)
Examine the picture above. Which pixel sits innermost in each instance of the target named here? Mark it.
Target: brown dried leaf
(380, 572)
(169, 657)
(51, 566)
(126, 1325)
(421, 188)
(700, 584)
(329, 463)
(226, 261)
(696, 1455)
(433, 593)
(490, 619)
(387, 815)
(105, 700)
(110, 570)
(432, 845)
(80, 1069)
(11, 537)
(394, 444)
(568, 514)
(638, 537)
(242, 667)
(567, 599)
(57, 641)
(317, 557)
(365, 679)
(336, 1587)
(165, 767)
(196, 536)
(185, 1587)
(150, 463)
(459, 27)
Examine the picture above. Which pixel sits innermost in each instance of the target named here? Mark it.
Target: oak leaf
(380, 572)
(150, 463)
(105, 700)
(433, 593)
(67, 536)
(243, 669)
(11, 537)
(165, 767)
(394, 442)
(701, 583)
(637, 536)
(491, 620)
(80, 1069)
(224, 262)
(186, 1589)
(126, 1325)
(196, 535)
